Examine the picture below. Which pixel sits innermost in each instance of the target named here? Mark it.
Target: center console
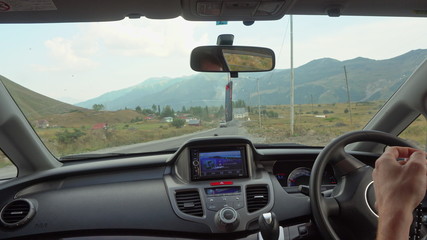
(219, 185)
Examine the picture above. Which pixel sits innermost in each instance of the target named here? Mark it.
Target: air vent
(256, 197)
(189, 202)
(17, 213)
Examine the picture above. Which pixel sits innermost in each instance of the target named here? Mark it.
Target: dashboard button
(212, 206)
(220, 205)
(221, 183)
(238, 205)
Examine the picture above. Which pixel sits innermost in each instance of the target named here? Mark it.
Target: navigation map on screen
(219, 164)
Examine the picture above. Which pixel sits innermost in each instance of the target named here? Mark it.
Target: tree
(272, 114)
(239, 104)
(154, 108)
(221, 112)
(147, 111)
(167, 112)
(98, 107)
(138, 109)
(178, 122)
(196, 111)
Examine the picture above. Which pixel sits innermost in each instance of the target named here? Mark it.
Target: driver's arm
(399, 187)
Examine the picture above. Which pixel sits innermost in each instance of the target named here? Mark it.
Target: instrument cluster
(296, 173)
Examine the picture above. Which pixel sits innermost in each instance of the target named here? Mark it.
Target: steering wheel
(349, 211)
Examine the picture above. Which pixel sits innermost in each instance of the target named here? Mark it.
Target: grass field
(332, 120)
(315, 125)
(115, 135)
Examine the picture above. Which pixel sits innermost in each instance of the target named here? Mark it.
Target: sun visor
(50, 11)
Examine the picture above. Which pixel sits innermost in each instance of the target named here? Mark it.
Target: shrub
(178, 123)
(67, 137)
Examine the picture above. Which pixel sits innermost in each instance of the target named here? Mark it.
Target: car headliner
(83, 10)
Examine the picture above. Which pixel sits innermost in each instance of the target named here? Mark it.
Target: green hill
(35, 105)
(39, 107)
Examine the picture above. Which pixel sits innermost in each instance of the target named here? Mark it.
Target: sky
(80, 61)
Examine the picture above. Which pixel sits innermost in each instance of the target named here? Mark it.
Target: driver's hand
(399, 187)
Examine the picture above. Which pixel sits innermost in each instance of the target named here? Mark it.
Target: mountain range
(319, 81)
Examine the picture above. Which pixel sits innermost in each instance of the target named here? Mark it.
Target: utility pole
(348, 97)
(259, 104)
(312, 106)
(292, 78)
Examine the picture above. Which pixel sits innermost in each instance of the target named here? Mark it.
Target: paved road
(234, 128)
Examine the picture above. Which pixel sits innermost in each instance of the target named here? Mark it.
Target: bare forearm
(394, 225)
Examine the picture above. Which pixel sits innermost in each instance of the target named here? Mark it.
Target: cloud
(382, 38)
(146, 37)
(66, 57)
(95, 43)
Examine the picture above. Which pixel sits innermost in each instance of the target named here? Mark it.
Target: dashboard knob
(227, 219)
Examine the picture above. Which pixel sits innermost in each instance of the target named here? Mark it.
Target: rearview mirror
(232, 59)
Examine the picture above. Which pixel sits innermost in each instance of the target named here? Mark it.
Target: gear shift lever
(269, 226)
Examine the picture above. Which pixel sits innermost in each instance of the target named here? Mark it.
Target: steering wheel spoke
(345, 164)
(330, 206)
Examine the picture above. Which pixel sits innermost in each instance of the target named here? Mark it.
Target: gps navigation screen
(218, 164)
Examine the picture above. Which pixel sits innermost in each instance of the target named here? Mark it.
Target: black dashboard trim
(88, 183)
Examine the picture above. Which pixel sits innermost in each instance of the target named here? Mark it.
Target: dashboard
(209, 188)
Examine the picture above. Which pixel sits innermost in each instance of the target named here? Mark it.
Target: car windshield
(127, 86)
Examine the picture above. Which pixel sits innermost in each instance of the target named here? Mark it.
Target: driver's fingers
(387, 159)
(416, 163)
(418, 157)
(400, 152)
(403, 162)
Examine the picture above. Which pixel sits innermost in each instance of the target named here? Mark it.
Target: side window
(7, 169)
(416, 133)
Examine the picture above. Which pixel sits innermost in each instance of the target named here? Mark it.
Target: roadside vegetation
(90, 130)
(4, 161)
(315, 125)
(318, 124)
(64, 141)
